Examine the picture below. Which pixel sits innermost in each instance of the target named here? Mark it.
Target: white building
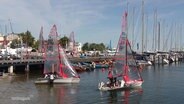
(78, 46)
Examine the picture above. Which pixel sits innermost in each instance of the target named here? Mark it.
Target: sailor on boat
(112, 79)
(52, 75)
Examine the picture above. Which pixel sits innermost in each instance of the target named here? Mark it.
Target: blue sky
(91, 20)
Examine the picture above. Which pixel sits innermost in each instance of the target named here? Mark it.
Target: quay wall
(24, 64)
(41, 61)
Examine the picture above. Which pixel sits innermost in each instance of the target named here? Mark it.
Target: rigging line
(11, 26)
(169, 34)
(136, 24)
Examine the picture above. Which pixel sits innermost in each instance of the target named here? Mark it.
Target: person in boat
(48, 75)
(110, 77)
(115, 81)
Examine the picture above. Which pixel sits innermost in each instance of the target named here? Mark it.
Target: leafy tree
(100, 47)
(27, 38)
(64, 41)
(85, 47)
(35, 45)
(93, 46)
(15, 43)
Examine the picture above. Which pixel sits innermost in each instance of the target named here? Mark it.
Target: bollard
(27, 68)
(10, 69)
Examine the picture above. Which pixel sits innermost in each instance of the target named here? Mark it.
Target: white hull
(106, 88)
(122, 85)
(57, 80)
(135, 84)
(165, 61)
(142, 62)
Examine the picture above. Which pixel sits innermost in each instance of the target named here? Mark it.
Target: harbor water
(163, 84)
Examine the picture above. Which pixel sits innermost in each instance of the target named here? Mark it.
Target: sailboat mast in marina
(142, 26)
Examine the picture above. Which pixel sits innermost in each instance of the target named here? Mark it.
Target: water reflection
(58, 94)
(125, 96)
(20, 89)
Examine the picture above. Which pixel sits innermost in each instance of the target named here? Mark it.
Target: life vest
(126, 78)
(110, 75)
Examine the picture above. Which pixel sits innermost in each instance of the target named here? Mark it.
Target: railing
(41, 61)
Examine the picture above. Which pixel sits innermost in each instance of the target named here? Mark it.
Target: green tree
(64, 41)
(35, 45)
(27, 38)
(93, 46)
(15, 43)
(85, 47)
(100, 47)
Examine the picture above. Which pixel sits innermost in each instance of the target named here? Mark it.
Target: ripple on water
(129, 96)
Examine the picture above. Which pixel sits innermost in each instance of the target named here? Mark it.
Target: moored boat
(57, 80)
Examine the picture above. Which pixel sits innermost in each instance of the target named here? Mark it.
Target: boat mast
(146, 42)
(126, 19)
(58, 45)
(175, 46)
(5, 39)
(126, 43)
(126, 35)
(153, 44)
(11, 26)
(124, 31)
(133, 28)
(163, 32)
(158, 36)
(180, 35)
(155, 30)
(171, 39)
(142, 26)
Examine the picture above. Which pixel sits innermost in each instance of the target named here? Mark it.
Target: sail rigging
(125, 64)
(56, 60)
(125, 70)
(41, 47)
(57, 68)
(51, 64)
(66, 65)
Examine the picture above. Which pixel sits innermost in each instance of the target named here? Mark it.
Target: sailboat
(125, 70)
(57, 68)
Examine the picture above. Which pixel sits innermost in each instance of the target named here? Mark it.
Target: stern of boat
(137, 83)
(66, 80)
(100, 85)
